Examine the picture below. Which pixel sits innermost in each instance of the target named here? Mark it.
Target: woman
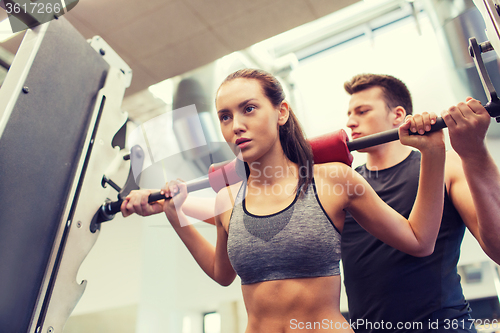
(280, 229)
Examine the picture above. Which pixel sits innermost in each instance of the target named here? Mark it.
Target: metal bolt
(497, 7)
(486, 47)
(79, 224)
(483, 47)
(50, 330)
(102, 52)
(26, 89)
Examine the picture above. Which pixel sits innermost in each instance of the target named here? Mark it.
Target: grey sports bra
(299, 241)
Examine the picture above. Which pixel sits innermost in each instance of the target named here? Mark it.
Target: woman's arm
(200, 208)
(137, 202)
(213, 260)
(418, 234)
(196, 207)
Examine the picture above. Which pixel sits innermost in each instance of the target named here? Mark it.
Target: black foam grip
(114, 207)
(155, 197)
(387, 136)
(191, 186)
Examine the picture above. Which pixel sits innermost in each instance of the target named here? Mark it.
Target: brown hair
(295, 146)
(394, 91)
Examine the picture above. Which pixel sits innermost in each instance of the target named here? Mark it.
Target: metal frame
(87, 194)
(21, 65)
(107, 120)
(59, 291)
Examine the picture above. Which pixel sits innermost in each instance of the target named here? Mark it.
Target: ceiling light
(163, 90)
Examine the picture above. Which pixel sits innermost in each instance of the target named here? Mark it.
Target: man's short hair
(395, 92)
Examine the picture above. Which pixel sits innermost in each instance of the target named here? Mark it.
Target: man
(388, 290)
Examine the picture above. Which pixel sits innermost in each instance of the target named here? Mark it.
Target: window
(211, 322)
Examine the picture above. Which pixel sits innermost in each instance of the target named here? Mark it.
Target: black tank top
(384, 284)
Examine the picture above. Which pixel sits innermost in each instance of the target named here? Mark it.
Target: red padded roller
(331, 147)
(224, 174)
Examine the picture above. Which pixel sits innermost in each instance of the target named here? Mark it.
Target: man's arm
(472, 175)
(416, 235)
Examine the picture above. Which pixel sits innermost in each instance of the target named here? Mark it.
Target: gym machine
(59, 115)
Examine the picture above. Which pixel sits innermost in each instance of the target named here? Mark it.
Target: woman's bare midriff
(295, 305)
